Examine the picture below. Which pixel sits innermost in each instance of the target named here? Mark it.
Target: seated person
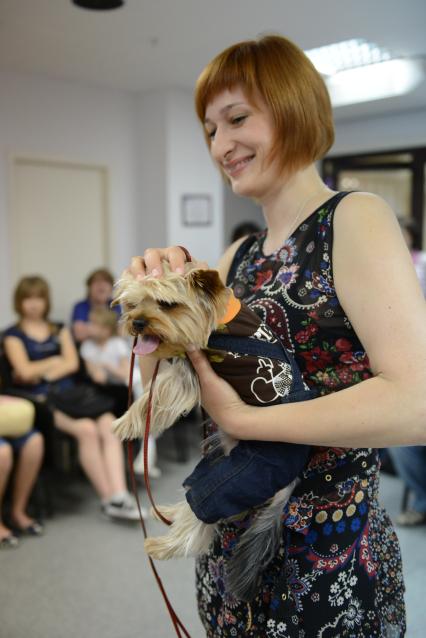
(107, 360)
(410, 464)
(20, 442)
(99, 292)
(42, 353)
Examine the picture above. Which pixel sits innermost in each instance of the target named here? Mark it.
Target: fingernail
(155, 272)
(140, 277)
(180, 271)
(190, 347)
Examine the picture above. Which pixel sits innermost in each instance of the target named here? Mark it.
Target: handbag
(16, 416)
(80, 401)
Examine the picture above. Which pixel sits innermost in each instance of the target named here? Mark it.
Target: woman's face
(241, 139)
(100, 291)
(33, 307)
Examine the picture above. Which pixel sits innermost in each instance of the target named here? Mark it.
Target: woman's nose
(222, 145)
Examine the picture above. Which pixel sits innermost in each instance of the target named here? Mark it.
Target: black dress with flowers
(338, 572)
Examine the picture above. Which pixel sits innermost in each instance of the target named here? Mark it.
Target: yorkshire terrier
(168, 314)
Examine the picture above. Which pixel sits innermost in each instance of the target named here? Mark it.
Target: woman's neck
(292, 202)
(30, 322)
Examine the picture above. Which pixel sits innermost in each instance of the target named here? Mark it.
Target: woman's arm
(120, 371)
(81, 330)
(67, 363)
(24, 369)
(95, 372)
(379, 291)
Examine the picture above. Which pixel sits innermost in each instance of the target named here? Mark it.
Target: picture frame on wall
(197, 210)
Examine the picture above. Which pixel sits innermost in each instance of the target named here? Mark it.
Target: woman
(99, 292)
(334, 280)
(40, 353)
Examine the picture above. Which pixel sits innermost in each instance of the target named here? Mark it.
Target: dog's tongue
(146, 344)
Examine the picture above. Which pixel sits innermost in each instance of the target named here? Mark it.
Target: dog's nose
(139, 324)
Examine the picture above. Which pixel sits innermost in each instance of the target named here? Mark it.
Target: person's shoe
(124, 508)
(34, 529)
(9, 542)
(411, 518)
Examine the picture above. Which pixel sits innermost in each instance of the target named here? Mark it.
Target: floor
(89, 577)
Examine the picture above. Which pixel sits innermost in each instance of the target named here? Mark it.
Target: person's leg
(113, 455)
(89, 450)
(122, 505)
(153, 470)
(410, 463)
(30, 457)
(6, 464)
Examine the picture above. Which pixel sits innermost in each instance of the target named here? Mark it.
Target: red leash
(174, 618)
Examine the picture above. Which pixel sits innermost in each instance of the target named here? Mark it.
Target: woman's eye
(167, 304)
(211, 134)
(239, 119)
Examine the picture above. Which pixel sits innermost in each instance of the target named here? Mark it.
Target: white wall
(393, 131)
(191, 172)
(238, 210)
(61, 120)
(151, 131)
(154, 151)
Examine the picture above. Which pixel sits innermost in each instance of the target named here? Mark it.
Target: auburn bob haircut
(278, 71)
(33, 286)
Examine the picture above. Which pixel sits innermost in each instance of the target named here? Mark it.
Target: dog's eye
(167, 304)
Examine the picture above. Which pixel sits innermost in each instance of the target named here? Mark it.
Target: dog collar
(234, 307)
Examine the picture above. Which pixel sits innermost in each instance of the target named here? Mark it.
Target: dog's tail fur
(176, 392)
(256, 548)
(187, 536)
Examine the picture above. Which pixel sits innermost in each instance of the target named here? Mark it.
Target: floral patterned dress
(338, 572)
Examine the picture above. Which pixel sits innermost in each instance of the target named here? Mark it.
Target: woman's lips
(237, 166)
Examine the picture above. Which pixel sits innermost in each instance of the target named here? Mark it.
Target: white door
(58, 226)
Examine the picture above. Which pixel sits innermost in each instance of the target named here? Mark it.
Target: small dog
(168, 314)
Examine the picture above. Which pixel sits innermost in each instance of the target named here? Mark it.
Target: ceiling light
(358, 71)
(375, 81)
(99, 5)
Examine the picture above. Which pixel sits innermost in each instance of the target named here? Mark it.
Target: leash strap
(177, 623)
(187, 253)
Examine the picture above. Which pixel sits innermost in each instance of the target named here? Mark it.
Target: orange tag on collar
(234, 307)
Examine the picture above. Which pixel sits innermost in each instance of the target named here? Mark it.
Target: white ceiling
(152, 44)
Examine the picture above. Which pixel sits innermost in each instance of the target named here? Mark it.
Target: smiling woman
(315, 277)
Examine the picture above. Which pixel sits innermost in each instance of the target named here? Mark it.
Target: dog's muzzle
(139, 324)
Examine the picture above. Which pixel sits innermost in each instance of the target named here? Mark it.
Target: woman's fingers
(201, 365)
(177, 259)
(219, 399)
(151, 262)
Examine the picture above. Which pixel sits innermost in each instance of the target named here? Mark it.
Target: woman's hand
(218, 398)
(151, 262)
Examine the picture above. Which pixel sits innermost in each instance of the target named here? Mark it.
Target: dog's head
(173, 311)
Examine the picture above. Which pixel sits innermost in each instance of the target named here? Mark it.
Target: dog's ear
(207, 281)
